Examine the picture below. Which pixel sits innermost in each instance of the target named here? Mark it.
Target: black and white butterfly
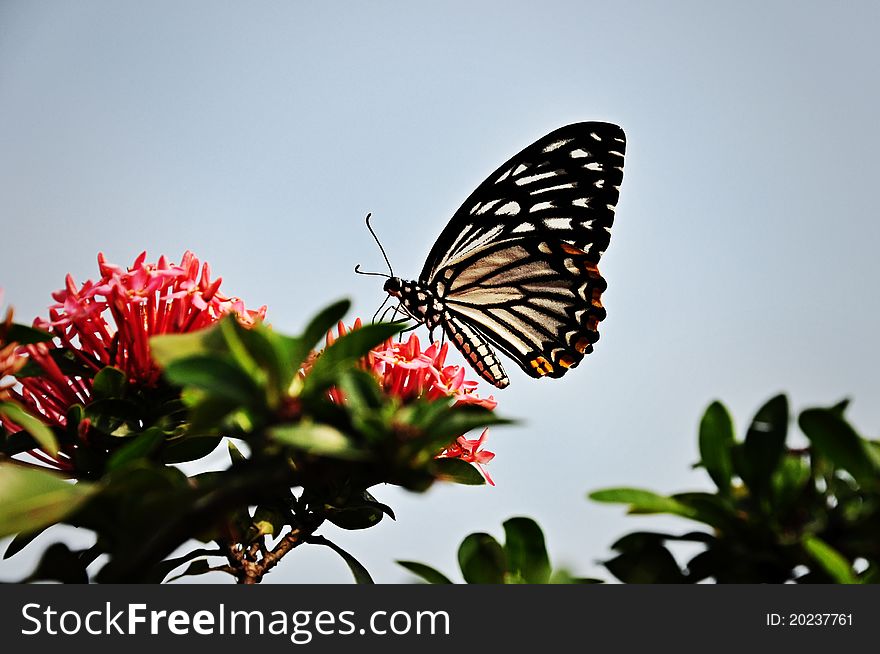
(516, 267)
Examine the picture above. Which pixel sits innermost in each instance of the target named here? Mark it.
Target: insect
(516, 267)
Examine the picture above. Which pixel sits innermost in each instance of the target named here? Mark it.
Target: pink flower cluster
(110, 322)
(10, 362)
(407, 372)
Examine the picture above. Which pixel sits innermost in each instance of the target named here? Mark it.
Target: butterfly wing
(517, 262)
(563, 187)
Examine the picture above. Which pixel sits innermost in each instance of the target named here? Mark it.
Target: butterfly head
(394, 286)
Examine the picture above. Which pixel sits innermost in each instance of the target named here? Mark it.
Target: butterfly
(515, 269)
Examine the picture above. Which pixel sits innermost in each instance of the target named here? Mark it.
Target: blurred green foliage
(522, 559)
(780, 512)
(297, 459)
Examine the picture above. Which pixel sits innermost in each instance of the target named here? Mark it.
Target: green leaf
(210, 414)
(323, 322)
(360, 511)
(426, 572)
(217, 376)
(161, 570)
(33, 499)
(59, 563)
(267, 521)
(840, 407)
(198, 567)
(110, 382)
(361, 576)
(361, 390)
(834, 439)
(110, 414)
(40, 432)
(168, 348)
(482, 560)
(235, 454)
(790, 481)
(139, 447)
(709, 508)
(262, 354)
(189, 448)
(716, 440)
(764, 446)
(644, 501)
(24, 335)
(21, 540)
(318, 439)
(564, 577)
(456, 471)
(831, 561)
(344, 353)
(446, 425)
(645, 562)
(526, 552)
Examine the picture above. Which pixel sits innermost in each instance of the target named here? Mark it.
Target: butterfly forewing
(564, 187)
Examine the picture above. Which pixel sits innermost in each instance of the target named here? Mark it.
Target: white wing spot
(540, 206)
(509, 209)
(503, 177)
(558, 187)
(476, 207)
(558, 223)
(593, 165)
(535, 178)
(579, 154)
(581, 202)
(523, 227)
(556, 145)
(543, 247)
(595, 136)
(599, 183)
(610, 207)
(486, 207)
(520, 169)
(587, 224)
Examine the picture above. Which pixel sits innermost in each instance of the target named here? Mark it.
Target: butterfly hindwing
(475, 348)
(538, 302)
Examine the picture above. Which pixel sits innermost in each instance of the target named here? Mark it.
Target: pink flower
(407, 372)
(10, 362)
(470, 451)
(110, 322)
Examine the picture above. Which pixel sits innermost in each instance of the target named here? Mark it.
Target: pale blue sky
(743, 260)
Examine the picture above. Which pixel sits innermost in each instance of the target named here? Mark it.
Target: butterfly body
(516, 267)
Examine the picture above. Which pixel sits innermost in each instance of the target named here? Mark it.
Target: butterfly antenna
(358, 270)
(376, 238)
